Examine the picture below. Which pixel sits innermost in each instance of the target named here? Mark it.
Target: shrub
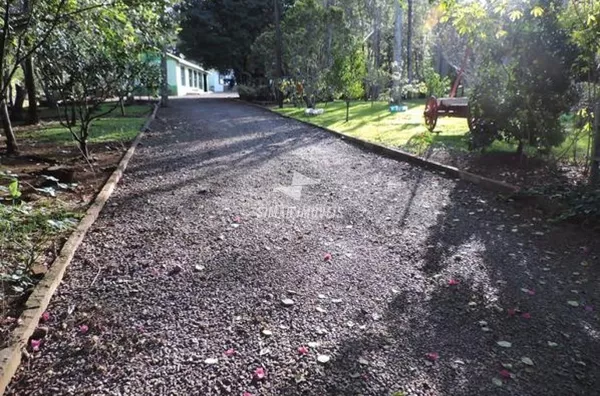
(252, 93)
(435, 84)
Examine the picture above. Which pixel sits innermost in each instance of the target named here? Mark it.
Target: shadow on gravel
(514, 282)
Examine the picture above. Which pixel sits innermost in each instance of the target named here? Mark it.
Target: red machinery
(450, 106)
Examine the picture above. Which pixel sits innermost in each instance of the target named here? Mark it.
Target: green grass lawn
(374, 122)
(111, 128)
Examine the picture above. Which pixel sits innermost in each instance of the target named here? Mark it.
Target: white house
(185, 77)
(218, 82)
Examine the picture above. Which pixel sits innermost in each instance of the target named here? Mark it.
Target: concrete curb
(10, 357)
(397, 154)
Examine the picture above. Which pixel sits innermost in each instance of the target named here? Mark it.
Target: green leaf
(13, 189)
(515, 15)
(537, 11)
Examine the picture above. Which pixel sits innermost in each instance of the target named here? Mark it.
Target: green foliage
(13, 189)
(261, 93)
(348, 75)
(435, 84)
(220, 33)
(520, 89)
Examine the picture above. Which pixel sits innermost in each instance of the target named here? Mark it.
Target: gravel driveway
(240, 240)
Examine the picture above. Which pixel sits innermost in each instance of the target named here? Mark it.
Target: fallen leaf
(259, 373)
(302, 350)
(376, 316)
(313, 344)
(230, 352)
(322, 296)
(267, 333)
(327, 257)
(287, 302)
(35, 345)
(83, 329)
(505, 373)
(322, 310)
(483, 323)
(511, 311)
(497, 381)
(573, 303)
(486, 329)
(336, 300)
(299, 378)
(432, 356)
(453, 282)
(526, 315)
(527, 361)
(211, 361)
(504, 344)
(552, 344)
(46, 316)
(323, 358)
(363, 361)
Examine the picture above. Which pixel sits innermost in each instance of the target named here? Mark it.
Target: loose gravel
(243, 252)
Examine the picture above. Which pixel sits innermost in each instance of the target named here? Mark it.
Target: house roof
(187, 63)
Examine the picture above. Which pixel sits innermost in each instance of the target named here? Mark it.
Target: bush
(251, 93)
(522, 85)
(435, 84)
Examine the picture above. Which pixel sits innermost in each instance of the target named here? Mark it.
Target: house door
(205, 84)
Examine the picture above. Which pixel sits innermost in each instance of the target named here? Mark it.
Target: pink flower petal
(230, 352)
(83, 329)
(433, 356)
(504, 373)
(589, 308)
(302, 350)
(526, 315)
(327, 257)
(453, 282)
(35, 345)
(46, 316)
(531, 292)
(259, 373)
(237, 219)
(247, 394)
(511, 311)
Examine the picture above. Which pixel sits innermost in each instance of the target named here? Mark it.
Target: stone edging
(485, 182)
(10, 357)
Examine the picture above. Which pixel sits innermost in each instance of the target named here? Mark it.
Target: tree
(88, 63)
(219, 33)
(519, 90)
(349, 73)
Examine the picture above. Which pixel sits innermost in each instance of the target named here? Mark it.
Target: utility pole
(278, 53)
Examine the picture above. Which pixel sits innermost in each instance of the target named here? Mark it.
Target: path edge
(10, 357)
(400, 155)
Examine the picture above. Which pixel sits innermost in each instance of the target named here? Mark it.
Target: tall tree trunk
(11, 142)
(29, 77)
(347, 110)
(397, 47)
(409, 65)
(16, 112)
(376, 48)
(164, 84)
(595, 170)
(278, 53)
(329, 53)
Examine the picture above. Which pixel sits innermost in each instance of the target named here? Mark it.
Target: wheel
(430, 113)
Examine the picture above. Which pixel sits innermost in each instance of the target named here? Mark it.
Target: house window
(191, 78)
(195, 79)
(182, 69)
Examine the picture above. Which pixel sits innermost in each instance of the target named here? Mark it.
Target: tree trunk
(11, 142)
(595, 170)
(520, 149)
(278, 53)
(397, 49)
(409, 41)
(122, 106)
(16, 112)
(84, 148)
(73, 115)
(29, 77)
(347, 110)
(164, 84)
